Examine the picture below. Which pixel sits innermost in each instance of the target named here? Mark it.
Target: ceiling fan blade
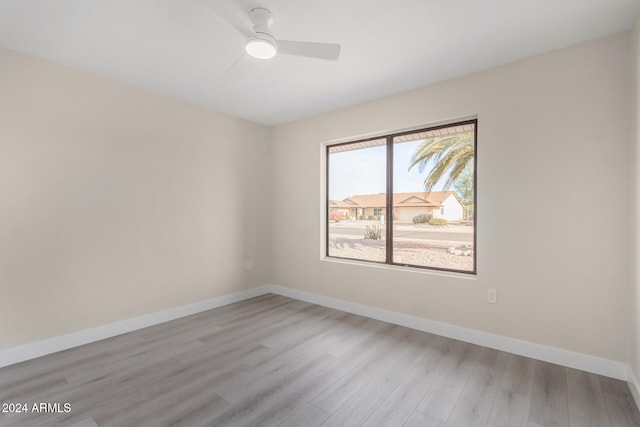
(328, 51)
(232, 16)
(240, 67)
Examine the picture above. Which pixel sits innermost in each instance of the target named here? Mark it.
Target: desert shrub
(336, 216)
(373, 232)
(371, 217)
(362, 217)
(422, 218)
(438, 221)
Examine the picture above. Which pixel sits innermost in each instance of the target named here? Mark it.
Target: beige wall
(555, 126)
(635, 262)
(117, 203)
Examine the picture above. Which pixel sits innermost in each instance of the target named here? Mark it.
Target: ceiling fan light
(261, 48)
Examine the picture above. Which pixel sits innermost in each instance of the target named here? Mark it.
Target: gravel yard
(431, 253)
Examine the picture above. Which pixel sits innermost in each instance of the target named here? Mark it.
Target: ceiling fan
(261, 44)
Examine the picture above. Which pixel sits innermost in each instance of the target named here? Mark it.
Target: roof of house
(340, 204)
(417, 199)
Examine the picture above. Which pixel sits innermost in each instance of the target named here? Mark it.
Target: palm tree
(451, 154)
(464, 188)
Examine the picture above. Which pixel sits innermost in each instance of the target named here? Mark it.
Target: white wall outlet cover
(492, 296)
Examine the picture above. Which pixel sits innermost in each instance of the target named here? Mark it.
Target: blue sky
(364, 171)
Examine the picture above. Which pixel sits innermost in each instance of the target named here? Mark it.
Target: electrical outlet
(248, 265)
(492, 296)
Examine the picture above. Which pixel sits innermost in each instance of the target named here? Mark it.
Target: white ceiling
(181, 48)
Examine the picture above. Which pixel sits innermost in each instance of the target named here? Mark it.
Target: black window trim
(389, 199)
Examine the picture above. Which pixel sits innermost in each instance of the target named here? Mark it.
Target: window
(405, 199)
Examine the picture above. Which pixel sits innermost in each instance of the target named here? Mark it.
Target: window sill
(454, 274)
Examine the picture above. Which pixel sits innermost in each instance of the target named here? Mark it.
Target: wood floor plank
(510, 409)
(412, 344)
(613, 386)
(88, 422)
(622, 410)
(357, 409)
(254, 381)
(586, 403)
(352, 336)
(518, 375)
(307, 415)
(144, 355)
(279, 406)
(84, 403)
(434, 360)
(226, 334)
(259, 401)
(231, 341)
(17, 390)
(368, 351)
(400, 405)
(248, 311)
(348, 385)
(193, 380)
(78, 356)
(309, 323)
(549, 406)
(443, 396)
(273, 360)
(421, 420)
(476, 401)
(178, 410)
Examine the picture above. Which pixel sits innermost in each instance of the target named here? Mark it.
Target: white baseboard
(584, 362)
(609, 368)
(52, 345)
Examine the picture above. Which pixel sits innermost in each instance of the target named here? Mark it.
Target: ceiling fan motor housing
(263, 44)
(262, 20)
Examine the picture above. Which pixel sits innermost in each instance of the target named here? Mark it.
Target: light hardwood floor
(276, 361)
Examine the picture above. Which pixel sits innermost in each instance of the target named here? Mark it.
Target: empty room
(305, 213)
